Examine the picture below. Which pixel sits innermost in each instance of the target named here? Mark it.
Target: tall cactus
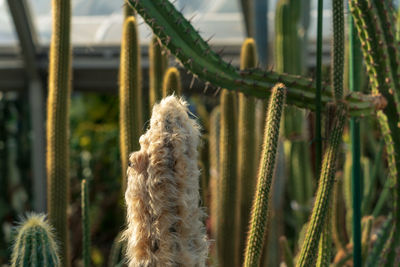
(214, 149)
(261, 202)
(35, 244)
(164, 219)
(130, 101)
(57, 158)
(246, 162)
(172, 82)
(158, 62)
(381, 57)
(309, 248)
(85, 223)
(227, 180)
(178, 35)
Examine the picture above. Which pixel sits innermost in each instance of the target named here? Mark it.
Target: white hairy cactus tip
(164, 221)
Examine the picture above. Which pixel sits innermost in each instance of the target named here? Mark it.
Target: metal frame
(26, 32)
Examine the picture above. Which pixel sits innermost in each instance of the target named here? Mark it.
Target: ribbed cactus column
(85, 223)
(214, 136)
(172, 82)
(57, 158)
(35, 244)
(227, 181)
(158, 63)
(164, 219)
(247, 160)
(130, 101)
(309, 250)
(261, 202)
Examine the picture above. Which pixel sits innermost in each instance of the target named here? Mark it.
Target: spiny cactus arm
(57, 158)
(338, 49)
(130, 100)
(376, 56)
(227, 184)
(35, 244)
(309, 248)
(387, 19)
(261, 202)
(158, 61)
(246, 166)
(325, 243)
(178, 35)
(172, 82)
(85, 223)
(286, 252)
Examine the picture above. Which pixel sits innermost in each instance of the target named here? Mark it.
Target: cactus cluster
(165, 223)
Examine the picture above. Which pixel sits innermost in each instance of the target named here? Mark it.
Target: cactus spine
(158, 64)
(85, 223)
(34, 244)
(261, 202)
(130, 117)
(163, 217)
(57, 158)
(178, 35)
(227, 180)
(172, 82)
(246, 153)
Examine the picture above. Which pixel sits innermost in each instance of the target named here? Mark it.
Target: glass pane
(7, 31)
(100, 21)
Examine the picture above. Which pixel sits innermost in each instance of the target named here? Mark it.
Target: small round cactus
(34, 244)
(164, 219)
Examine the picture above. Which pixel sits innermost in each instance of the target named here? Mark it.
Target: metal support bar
(28, 42)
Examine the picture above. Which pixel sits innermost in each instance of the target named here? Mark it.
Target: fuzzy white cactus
(164, 221)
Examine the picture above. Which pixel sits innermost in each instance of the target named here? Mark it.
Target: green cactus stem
(376, 55)
(164, 221)
(178, 35)
(172, 82)
(261, 202)
(35, 244)
(246, 165)
(383, 237)
(309, 248)
(57, 158)
(85, 223)
(227, 180)
(338, 49)
(117, 252)
(325, 243)
(158, 62)
(286, 252)
(130, 116)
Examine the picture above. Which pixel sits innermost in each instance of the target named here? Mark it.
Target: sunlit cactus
(57, 130)
(172, 82)
(130, 101)
(165, 222)
(34, 244)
